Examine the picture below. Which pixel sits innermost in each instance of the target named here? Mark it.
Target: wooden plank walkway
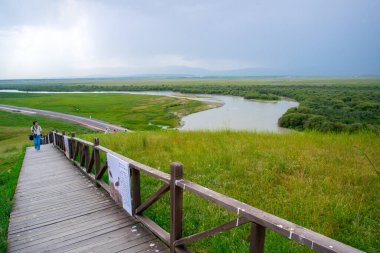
(58, 209)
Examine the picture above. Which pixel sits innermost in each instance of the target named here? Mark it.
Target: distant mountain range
(179, 72)
(188, 72)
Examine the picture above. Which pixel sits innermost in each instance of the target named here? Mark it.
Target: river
(236, 113)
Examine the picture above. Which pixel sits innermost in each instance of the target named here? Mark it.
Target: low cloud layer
(41, 39)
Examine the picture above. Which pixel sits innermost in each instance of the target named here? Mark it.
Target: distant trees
(299, 119)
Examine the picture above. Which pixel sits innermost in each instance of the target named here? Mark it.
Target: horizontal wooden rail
(86, 156)
(286, 228)
(138, 166)
(90, 144)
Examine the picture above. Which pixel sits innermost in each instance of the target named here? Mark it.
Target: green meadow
(328, 183)
(14, 131)
(136, 112)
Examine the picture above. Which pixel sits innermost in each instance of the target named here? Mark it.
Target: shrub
(293, 120)
(314, 122)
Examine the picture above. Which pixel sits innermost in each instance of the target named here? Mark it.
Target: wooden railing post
(56, 138)
(176, 199)
(82, 156)
(136, 195)
(63, 140)
(257, 238)
(72, 145)
(86, 158)
(96, 155)
(79, 149)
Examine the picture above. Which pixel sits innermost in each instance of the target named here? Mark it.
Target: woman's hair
(34, 122)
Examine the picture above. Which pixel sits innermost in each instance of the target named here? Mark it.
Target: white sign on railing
(54, 139)
(120, 182)
(67, 150)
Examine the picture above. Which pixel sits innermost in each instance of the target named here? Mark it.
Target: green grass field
(14, 131)
(321, 181)
(136, 112)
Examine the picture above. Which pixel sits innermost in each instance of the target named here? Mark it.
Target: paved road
(87, 122)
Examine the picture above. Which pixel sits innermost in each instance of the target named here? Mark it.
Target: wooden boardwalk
(58, 209)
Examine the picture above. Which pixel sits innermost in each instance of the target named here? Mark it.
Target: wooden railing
(86, 156)
(47, 139)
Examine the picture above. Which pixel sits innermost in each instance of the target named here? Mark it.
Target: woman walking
(36, 132)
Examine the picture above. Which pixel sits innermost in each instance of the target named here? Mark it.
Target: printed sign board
(67, 150)
(120, 182)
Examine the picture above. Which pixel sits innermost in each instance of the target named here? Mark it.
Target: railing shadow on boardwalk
(86, 156)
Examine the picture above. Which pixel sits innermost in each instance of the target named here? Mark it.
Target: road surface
(87, 122)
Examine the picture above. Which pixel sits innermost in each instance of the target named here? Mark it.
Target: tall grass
(10, 165)
(319, 181)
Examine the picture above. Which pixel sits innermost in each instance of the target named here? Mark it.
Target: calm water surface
(238, 113)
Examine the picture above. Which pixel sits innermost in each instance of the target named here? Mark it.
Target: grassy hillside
(136, 112)
(326, 104)
(324, 182)
(14, 131)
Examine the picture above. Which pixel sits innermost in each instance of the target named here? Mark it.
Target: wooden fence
(90, 164)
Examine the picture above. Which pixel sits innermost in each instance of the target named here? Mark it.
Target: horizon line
(187, 76)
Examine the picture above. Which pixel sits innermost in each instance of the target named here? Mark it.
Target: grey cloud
(297, 37)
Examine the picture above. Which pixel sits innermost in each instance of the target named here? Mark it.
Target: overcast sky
(40, 39)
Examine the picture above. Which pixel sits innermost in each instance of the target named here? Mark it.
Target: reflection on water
(236, 113)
